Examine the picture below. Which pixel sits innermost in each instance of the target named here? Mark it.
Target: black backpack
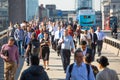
(35, 47)
(71, 67)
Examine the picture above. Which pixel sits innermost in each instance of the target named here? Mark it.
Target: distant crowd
(33, 41)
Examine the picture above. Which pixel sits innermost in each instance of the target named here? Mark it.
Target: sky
(68, 4)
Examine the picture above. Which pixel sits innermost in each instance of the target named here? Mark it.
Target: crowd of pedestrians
(32, 41)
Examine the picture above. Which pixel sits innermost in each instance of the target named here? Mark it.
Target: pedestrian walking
(105, 73)
(33, 48)
(67, 46)
(88, 60)
(34, 72)
(11, 30)
(58, 35)
(85, 49)
(79, 70)
(45, 43)
(19, 37)
(10, 55)
(94, 40)
(100, 36)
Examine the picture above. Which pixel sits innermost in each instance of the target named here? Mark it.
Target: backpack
(95, 70)
(35, 47)
(71, 67)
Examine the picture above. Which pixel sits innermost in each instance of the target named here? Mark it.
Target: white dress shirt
(57, 34)
(84, 52)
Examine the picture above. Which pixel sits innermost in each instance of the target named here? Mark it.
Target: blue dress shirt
(100, 35)
(68, 42)
(80, 73)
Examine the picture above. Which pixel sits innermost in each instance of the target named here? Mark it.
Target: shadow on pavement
(56, 79)
(55, 65)
(20, 68)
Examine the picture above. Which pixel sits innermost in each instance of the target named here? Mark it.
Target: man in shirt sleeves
(100, 36)
(67, 46)
(79, 70)
(9, 53)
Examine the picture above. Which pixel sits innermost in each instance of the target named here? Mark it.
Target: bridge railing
(3, 37)
(113, 42)
(3, 40)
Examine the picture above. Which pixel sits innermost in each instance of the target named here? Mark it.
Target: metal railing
(3, 40)
(113, 42)
(3, 37)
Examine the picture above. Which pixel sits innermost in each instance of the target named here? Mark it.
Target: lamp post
(101, 12)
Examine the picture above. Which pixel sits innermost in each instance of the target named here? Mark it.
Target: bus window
(89, 16)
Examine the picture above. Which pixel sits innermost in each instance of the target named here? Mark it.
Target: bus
(85, 14)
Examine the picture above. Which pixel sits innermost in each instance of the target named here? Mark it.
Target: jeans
(20, 47)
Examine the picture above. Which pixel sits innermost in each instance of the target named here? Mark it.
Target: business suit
(93, 43)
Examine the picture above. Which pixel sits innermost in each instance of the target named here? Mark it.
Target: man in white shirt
(85, 49)
(58, 35)
(100, 36)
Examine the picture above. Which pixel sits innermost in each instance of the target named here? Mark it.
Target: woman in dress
(45, 43)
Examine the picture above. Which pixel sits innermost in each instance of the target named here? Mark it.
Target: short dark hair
(34, 60)
(33, 34)
(77, 51)
(103, 60)
(11, 39)
(88, 58)
(83, 42)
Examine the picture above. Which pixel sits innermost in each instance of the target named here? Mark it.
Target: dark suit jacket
(94, 37)
(89, 51)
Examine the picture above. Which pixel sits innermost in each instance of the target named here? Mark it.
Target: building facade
(3, 14)
(20, 10)
(43, 13)
(52, 10)
(98, 18)
(31, 9)
(110, 8)
(17, 10)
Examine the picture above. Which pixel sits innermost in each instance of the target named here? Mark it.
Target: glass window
(114, 6)
(3, 14)
(84, 4)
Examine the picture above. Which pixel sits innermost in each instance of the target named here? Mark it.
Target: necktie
(59, 34)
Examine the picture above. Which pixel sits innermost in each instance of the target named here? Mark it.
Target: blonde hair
(69, 27)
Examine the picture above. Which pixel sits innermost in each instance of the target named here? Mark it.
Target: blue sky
(68, 4)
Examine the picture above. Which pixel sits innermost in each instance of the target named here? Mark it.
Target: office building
(3, 14)
(31, 9)
(110, 8)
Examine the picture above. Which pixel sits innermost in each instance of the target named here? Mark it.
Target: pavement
(56, 70)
